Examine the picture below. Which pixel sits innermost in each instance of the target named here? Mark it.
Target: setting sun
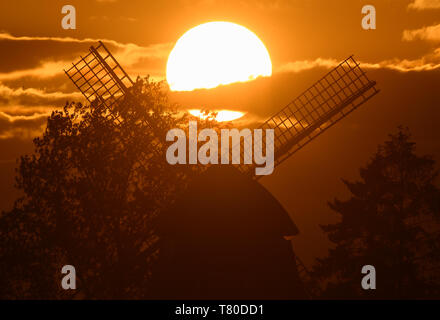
(222, 115)
(216, 53)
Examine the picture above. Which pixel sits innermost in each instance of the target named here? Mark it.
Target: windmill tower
(224, 236)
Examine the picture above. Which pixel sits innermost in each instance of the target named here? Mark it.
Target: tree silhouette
(88, 201)
(391, 221)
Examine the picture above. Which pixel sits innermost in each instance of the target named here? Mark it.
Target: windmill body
(224, 239)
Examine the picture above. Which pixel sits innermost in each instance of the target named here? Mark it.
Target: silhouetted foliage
(391, 221)
(89, 203)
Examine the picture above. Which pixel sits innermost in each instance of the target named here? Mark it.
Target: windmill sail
(98, 76)
(327, 101)
(106, 86)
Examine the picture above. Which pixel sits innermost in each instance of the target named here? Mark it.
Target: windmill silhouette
(224, 237)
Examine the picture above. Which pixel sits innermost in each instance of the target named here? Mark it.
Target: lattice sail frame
(106, 85)
(98, 76)
(334, 96)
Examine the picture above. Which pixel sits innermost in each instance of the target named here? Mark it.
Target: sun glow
(222, 115)
(216, 53)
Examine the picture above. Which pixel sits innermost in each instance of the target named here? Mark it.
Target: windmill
(197, 256)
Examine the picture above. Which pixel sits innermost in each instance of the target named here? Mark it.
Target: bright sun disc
(216, 53)
(222, 115)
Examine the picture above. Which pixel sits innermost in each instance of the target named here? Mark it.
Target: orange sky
(304, 38)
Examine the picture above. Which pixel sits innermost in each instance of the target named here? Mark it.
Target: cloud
(7, 36)
(302, 65)
(46, 70)
(154, 51)
(23, 127)
(35, 97)
(128, 19)
(127, 54)
(424, 4)
(426, 63)
(430, 33)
